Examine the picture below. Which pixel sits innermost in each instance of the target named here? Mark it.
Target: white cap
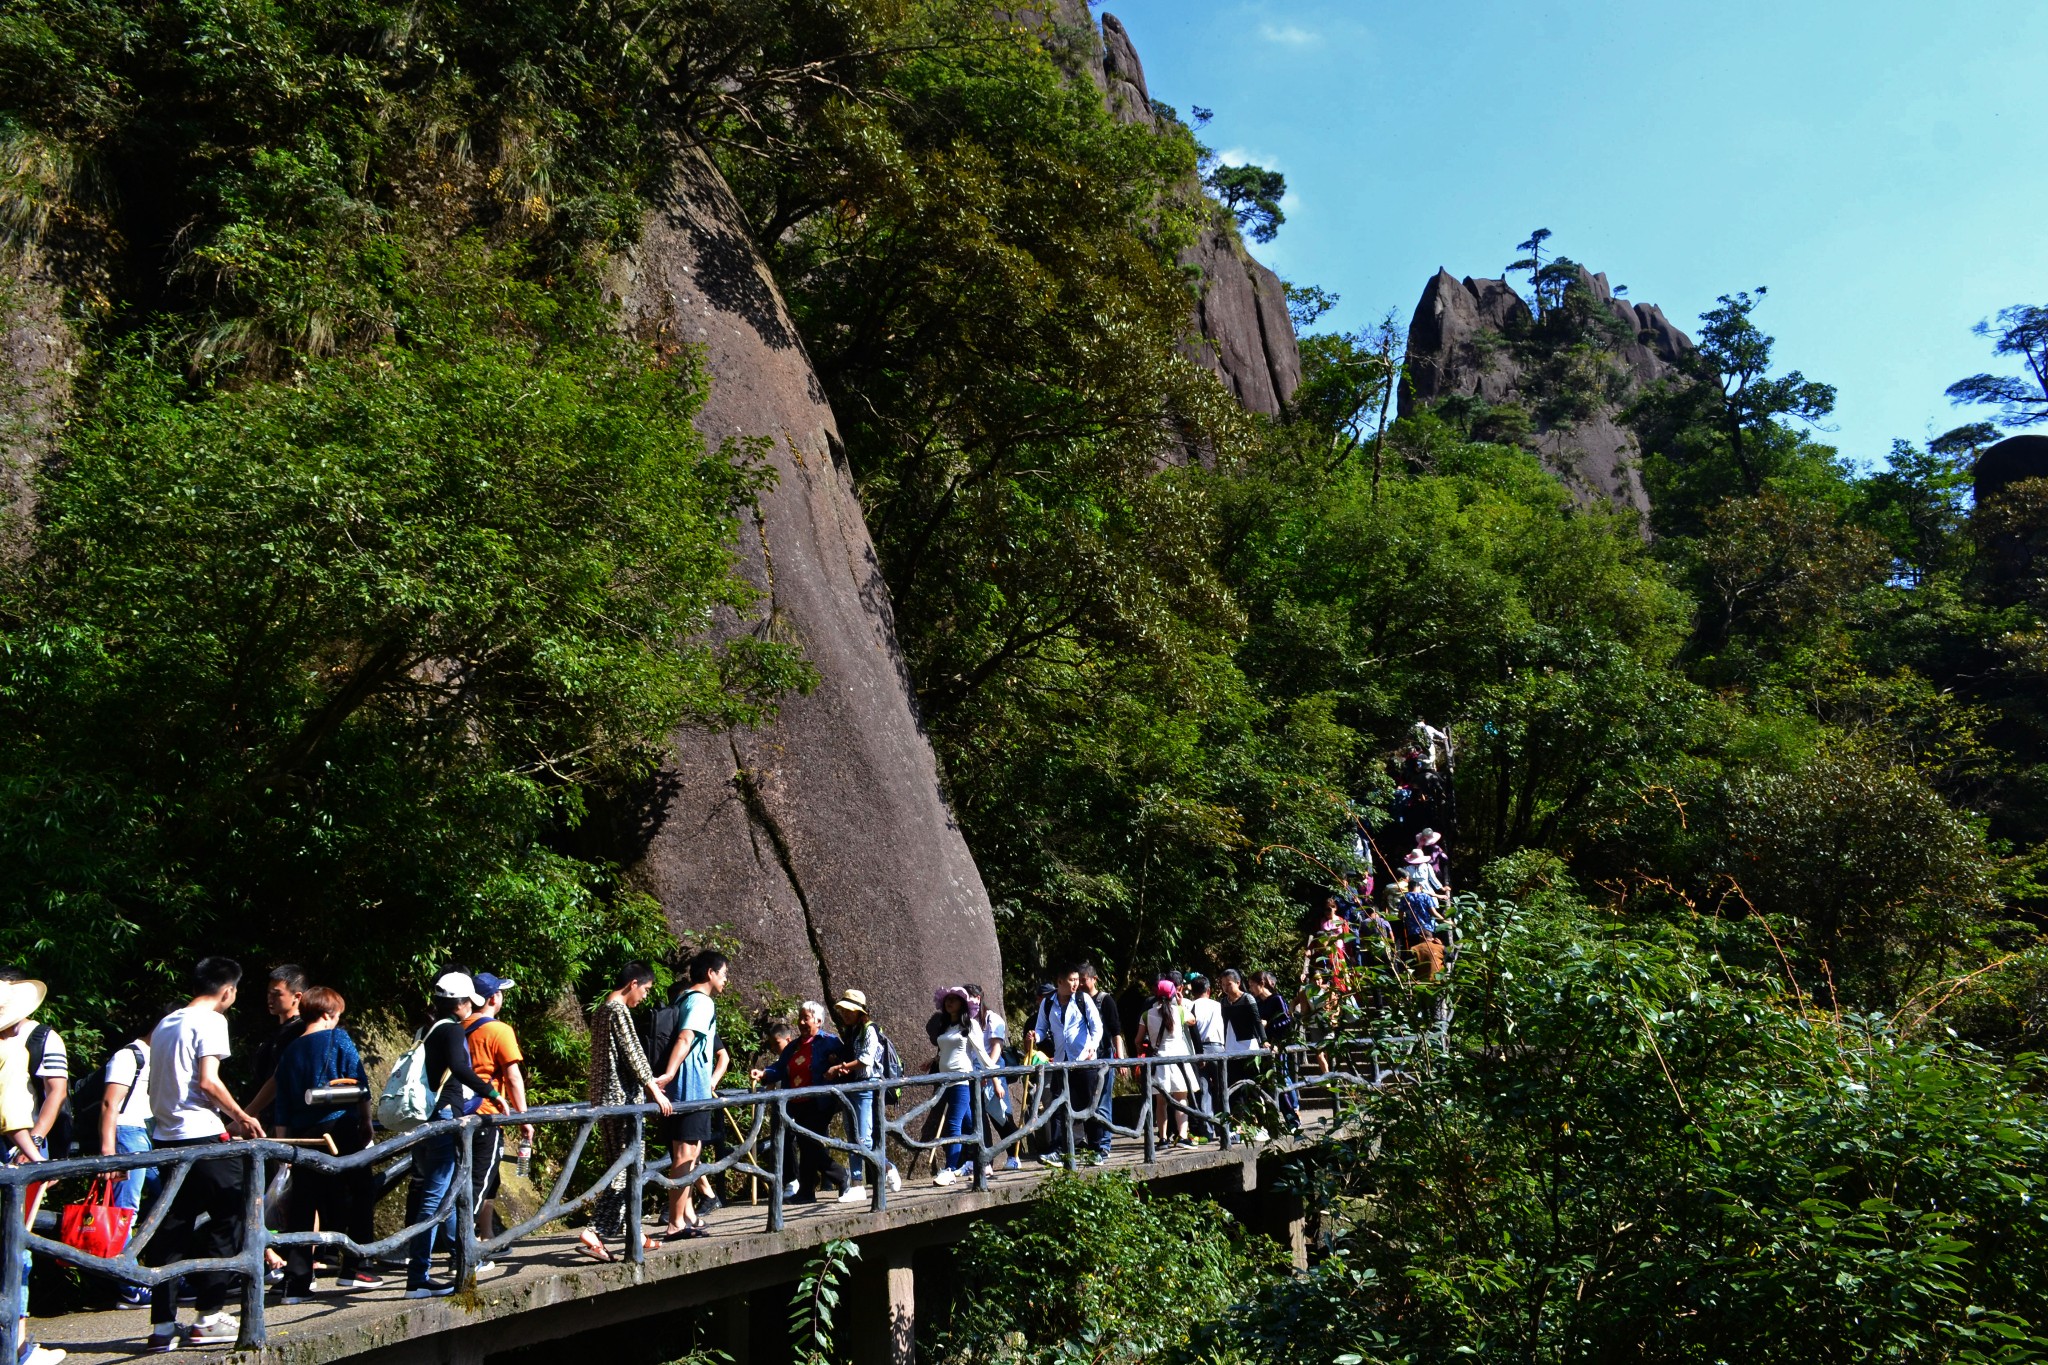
(458, 986)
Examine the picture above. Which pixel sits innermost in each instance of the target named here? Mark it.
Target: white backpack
(408, 1101)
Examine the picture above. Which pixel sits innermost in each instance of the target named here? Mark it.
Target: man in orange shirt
(494, 1053)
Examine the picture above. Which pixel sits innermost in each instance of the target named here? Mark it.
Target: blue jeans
(428, 1201)
(959, 1107)
(128, 1193)
(861, 1123)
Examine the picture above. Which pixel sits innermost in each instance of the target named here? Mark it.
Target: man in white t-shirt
(192, 1108)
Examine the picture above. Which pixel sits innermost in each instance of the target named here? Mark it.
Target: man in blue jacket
(1071, 1028)
(803, 1064)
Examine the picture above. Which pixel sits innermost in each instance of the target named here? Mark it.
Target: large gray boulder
(824, 839)
(1455, 348)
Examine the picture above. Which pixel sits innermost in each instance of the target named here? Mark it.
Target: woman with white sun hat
(19, 1000)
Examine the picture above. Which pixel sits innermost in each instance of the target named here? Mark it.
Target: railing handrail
(1270, 1072)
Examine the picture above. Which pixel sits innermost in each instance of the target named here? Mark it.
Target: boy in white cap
(431, 1194)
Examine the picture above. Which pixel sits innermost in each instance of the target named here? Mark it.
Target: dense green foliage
(1096, 1270)
(1642, 1147)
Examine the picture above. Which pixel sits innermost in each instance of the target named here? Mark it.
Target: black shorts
(483, 1171)
(692, 1127)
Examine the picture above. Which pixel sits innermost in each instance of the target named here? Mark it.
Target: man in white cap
(192, 1107)
(431, 1194)
(20, 998)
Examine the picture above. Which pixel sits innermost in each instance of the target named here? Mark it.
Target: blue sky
(1882, 166)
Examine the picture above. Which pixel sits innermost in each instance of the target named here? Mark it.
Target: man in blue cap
(495, 1054)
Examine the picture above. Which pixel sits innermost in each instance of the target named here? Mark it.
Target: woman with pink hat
(1163, 1032)
(961, 1050)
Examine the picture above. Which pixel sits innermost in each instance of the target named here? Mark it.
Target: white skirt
(1173, 1079)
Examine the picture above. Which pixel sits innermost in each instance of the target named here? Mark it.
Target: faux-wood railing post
(636, 1191)
(255, 1241)
(12, 1239)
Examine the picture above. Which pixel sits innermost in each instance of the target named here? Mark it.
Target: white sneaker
(163, 1337)
(215, 1329)
(432, 1289)
(946, 1177)
(41, 1355)
(895, 1180)
(486, 1268)
(855, 1194)
(789, 1190)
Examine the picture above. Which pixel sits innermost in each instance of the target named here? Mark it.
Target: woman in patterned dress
(618, 1073)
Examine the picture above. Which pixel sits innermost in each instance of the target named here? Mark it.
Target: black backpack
(892, 1067)
(60, 1131)
(89, 1096)
(658, 1036)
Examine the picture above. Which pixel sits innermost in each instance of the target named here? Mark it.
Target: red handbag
(98, 1227)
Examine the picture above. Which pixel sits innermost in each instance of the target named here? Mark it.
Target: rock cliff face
(1241, 331)
(1452, 350)
(824, 839)
(37, 351)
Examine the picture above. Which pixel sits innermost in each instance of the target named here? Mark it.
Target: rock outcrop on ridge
(824, 839)
(1453, 350)
(1242, 332)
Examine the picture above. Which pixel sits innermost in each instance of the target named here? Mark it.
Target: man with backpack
(49, 1078)
(111, 1109)
(1279, 1025)
(1069, 1021)
(867, 1052)
(691, 1070)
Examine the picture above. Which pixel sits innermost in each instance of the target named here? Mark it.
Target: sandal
(594, 1249)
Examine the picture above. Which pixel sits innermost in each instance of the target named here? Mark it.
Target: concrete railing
(1247, 1089)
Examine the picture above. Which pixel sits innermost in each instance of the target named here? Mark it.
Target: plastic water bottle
(525, 1167)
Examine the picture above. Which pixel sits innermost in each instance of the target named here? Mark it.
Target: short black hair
(1198, 984)
(636, 971)
(213, 975)
(972, 990)
(291, 975)
(1232, 974)
(10, 972)
(705, 963)
(1070, 969)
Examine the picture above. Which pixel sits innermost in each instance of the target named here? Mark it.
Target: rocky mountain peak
(1456, 348)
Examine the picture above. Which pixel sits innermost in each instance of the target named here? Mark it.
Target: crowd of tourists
(1189, 1041)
